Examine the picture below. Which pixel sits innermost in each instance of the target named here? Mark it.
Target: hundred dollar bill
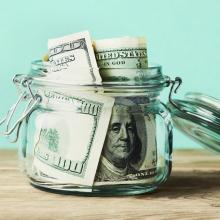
(122, 59)
(125, 52)
(73, 60)
(67, 146)
(129, 153)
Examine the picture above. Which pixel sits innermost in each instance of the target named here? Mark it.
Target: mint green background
(183, 36)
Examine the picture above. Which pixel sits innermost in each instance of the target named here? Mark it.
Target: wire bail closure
(34, 100)
(176, 83)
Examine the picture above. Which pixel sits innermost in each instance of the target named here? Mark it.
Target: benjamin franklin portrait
(122, 148)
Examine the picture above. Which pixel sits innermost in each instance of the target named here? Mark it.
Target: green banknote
(69, 139)
(129, 153)
(72, 60)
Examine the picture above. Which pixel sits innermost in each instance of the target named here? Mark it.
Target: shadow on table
(188, 184)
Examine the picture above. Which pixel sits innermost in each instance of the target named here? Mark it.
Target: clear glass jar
(136, 154)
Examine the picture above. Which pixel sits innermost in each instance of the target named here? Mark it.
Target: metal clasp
(34, 100)
(175, 86)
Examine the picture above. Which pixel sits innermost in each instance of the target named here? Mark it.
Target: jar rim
(150, 78)
(40, 65)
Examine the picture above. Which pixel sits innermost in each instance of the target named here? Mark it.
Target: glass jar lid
(198, 116)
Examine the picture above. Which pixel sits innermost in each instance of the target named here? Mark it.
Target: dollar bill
(69, 137)
(125, 52)
(73, 60)
(129, 153)
(121, 59)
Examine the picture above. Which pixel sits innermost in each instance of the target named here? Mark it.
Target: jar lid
(198, 116)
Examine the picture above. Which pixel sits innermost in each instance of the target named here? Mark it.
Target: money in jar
(94, 123)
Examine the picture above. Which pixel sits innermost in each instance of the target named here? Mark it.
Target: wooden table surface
(192, 192)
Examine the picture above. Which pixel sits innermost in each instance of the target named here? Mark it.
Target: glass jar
(73, 143)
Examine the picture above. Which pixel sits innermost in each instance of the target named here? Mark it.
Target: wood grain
(192, 192)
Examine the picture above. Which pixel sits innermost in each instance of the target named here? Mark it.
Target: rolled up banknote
(122, 59)
(73, 60)
(125, 52)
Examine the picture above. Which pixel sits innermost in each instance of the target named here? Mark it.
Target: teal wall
(183, 36)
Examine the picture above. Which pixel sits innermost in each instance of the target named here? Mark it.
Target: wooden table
(192, 192)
